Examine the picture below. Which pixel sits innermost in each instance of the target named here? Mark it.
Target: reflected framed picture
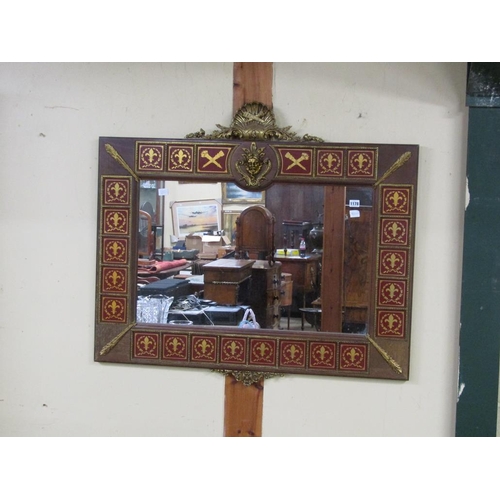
(200, 216)
(231, 193)
(229, 218)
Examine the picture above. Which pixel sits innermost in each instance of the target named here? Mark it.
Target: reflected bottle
(302, 247)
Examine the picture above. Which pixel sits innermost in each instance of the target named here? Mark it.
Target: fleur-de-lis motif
(147, 342)
(151, 153)
(204, 346)
(360, 160)
(394, 229)
(117, 188)
(352, 354)
(175, 343)
(396, 198)
(115, 248)
(233, 347)
(262, 348)
(391, 290)
(391, 321)
(115, 277)
(322, 352)
(393, 259)
(116, 219)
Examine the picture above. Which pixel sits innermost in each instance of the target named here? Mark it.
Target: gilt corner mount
(254, 153)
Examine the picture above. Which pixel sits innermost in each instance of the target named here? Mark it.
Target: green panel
(480, 314)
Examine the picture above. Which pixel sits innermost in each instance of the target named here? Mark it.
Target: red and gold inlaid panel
(262, 352)
(330, 162)
(113, 309)
(146, 345)
(180, 158)
(116, 221)
(361, 163)
(114, 279)
(233, 350)
(116, 191)
(391, 293)
(293, 353)
(213, 159)
(396, 200)
(150, 157)
(322, 355)
(114, 251)
(394, 232)
(175, 347)
(295, 161)
(393, 263)
(353, 357)
(391, 323)
(204, 348)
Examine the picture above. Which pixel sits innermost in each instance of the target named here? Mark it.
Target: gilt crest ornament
(254, 122)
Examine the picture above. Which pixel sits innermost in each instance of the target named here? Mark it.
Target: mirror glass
(184, 226)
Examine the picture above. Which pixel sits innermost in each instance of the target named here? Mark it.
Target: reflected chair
(255, 234)
(145, 237)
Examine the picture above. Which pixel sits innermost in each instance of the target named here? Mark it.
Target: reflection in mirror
(197, 267)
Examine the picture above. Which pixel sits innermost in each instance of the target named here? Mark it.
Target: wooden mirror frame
(254, 153)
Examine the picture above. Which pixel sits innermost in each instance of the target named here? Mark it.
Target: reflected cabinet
(352, 206)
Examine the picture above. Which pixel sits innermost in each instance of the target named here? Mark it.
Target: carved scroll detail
(247, 377)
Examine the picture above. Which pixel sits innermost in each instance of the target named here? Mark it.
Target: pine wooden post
(243, 404)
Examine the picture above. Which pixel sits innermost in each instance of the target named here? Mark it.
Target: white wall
(51, 116)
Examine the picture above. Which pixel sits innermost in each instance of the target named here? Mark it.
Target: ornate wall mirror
(354, 205)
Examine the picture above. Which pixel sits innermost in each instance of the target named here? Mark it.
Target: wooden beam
(252, 81)
(243, 404)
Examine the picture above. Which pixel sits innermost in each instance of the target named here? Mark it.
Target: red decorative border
(293, 353)
(175, 346)
(391, 323)
(116, 221)
(114, 251)
(330, 162)
(393, 263)
(361, 163)
(396, 200)
(296, 161)
(204, 348)
(213, 159)
(180, 158)
(114, 280)
(290, 352)
(116, 191)
(391, 293)
(233, 350)
(146, 345)
(150, 157)
(353, 357)
(262, 352)
(113, 309)
(394, 232)
(323, 355)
